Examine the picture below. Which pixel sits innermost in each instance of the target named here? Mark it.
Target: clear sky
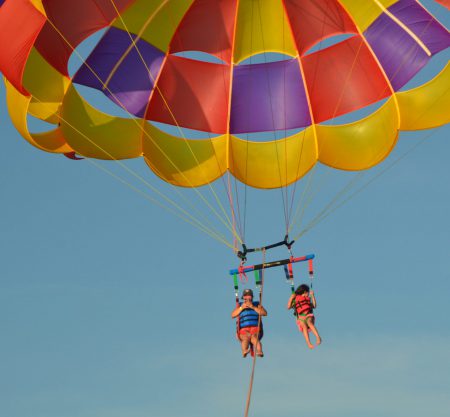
(112, 307)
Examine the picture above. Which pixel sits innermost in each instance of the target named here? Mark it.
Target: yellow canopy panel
(18, 108)
(94, 134)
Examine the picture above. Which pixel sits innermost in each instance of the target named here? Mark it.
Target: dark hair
(302, 289)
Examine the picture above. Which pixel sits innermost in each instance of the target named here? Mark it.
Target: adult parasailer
(249, 325)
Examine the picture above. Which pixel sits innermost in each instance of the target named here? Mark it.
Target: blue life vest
(248, 317)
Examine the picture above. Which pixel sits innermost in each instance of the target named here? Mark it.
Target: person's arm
(289, 304)
(236, 312)
(260, 310)
(313, 299)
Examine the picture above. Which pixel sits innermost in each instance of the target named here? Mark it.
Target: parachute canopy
(151, 62)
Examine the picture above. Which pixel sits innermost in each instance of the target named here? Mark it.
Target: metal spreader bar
(271, 264)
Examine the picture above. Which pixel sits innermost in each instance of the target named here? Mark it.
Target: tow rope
(252, 375)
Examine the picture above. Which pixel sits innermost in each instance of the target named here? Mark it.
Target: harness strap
(258, 283)
(311, 271)
(258, 279)
(236, 287)
(236, 293)
(289, 273)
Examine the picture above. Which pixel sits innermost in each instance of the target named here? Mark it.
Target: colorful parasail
(192, 64)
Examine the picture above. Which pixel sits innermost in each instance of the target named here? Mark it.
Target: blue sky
(111, 307)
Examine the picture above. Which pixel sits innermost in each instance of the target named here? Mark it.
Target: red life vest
(303, 304)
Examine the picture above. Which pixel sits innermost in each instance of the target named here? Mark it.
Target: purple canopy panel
(133, 79)
(399, 54)
(267, 97)
(422, 24)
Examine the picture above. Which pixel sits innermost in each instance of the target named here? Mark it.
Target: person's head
(247, 295)
(302, 289)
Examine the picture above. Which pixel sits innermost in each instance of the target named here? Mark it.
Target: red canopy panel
(445, 3)
(343, 78)
(76, 21)
(20, 24)
(192, 94)
(314, 20)
(208, 26)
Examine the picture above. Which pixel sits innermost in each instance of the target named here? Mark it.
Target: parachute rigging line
(145, 133)
(283, 196)
(331, 206)
(185, 216)
(311, 114)
(240, 225)
(289, 226)
(342, 192)
(200, 227)
(133, 43)
(235, 230)
(363, 41)
(135, 121)
(324, 214)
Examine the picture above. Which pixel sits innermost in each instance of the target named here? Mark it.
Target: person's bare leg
(257, 344)
(311, 325)
(304, 329)
(245, 340)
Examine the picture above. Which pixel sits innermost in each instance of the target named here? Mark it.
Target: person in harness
(303, 302)
(248, 331)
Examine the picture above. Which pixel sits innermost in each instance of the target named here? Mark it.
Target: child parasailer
(303, 302)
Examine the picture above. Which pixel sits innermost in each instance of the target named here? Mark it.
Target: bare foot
(310, 346)
(244, 354)
(318, 341)
(259, 354)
